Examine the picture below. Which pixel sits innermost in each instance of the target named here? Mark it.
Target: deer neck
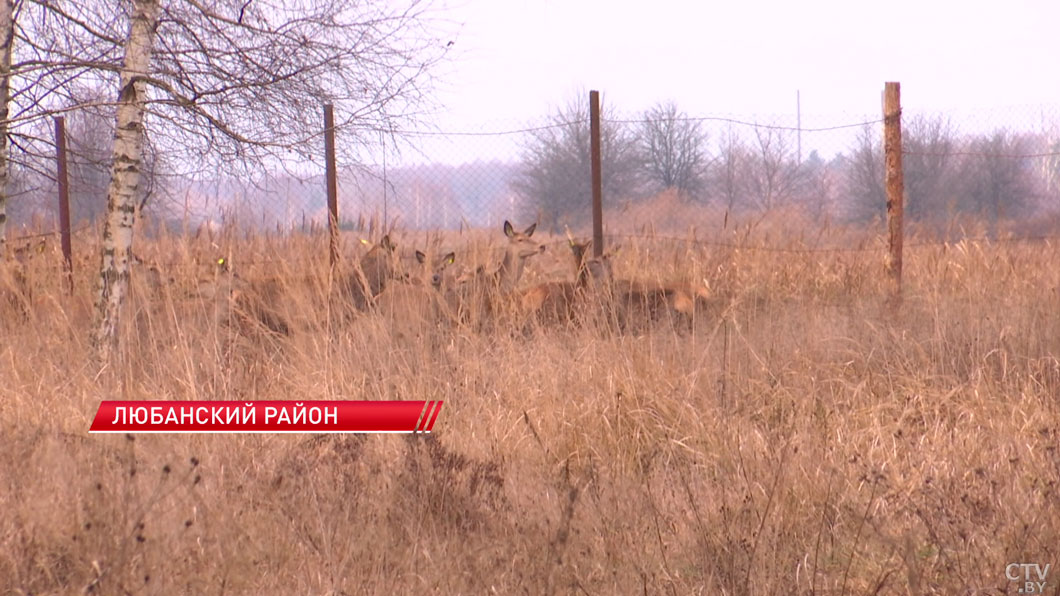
(510, 271)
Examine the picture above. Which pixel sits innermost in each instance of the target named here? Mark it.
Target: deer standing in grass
(482, 297)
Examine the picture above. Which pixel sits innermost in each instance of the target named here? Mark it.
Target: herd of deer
(429, 295)
(485, 299)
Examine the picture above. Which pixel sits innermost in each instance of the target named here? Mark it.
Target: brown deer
(482, 297)
(153, 276)
(376, 268)
(436, 270)
(242, 303)
(417, 306)
(636, 305)
(557, 301)
(631, 305)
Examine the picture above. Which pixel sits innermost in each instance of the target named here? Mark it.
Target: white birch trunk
(7, 41)
(125, 175)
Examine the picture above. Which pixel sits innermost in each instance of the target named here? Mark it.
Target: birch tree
(125, 173)
(230, 86)
(7, 37)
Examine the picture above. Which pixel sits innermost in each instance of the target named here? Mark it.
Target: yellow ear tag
(363, 241)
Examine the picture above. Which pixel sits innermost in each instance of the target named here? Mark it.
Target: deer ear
(509, 231)
(530, 231)
(386, 243)
(422, 258)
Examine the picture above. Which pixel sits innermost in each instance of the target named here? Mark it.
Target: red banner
(266, 417)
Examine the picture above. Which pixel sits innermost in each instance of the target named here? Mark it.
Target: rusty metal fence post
(597, 177)
(332, 182)
(64, 201)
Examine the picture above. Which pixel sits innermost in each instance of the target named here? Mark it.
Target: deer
(595, 291)
(417, 305)
(634, 303)
(482, 296)
(375, 271)
(242, 302)
(558, 301)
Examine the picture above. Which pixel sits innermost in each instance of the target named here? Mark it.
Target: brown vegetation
(808, 437)
(16, 286)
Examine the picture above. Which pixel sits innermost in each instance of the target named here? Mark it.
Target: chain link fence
(665, 172)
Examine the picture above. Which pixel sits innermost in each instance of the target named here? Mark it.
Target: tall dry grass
(808, 437)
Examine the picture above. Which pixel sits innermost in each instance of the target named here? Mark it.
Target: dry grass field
(806, 437)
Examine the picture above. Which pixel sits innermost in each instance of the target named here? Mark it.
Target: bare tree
(1049, 167)
(929, 163)
(89, 132)
(866, 195)
(816, 184)
(241, 83)
(998, 182)
(228, 85)
(772, 175)
(556, 180)
(731, 162)
(673, 150)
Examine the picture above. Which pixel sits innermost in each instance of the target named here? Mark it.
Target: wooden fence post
(894, 179)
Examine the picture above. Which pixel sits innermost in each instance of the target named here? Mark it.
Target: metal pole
(64, 200)
(597, 178)
(798, 121)
(332, 181)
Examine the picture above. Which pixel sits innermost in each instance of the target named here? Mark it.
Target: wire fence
(665, 173)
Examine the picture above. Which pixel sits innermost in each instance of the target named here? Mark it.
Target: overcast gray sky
(515, 61)
(515, 58)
